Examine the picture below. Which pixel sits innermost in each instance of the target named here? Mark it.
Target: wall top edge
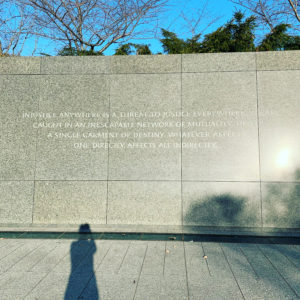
(152, 64)
(188, 54)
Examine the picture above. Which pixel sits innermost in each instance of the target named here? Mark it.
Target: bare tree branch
(91, 24)
(295, 9)
(194, 20)
(271, 13)
(14, 28)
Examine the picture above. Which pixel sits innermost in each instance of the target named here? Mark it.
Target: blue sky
(171, 19)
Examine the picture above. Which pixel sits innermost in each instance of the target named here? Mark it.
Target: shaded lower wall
(199, 140)
(151, 203)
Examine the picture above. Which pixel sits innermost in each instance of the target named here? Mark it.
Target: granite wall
(200, 139)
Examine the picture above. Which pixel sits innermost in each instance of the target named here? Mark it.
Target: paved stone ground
(122, 269)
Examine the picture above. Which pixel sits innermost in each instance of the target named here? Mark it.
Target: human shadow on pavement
(82, 281)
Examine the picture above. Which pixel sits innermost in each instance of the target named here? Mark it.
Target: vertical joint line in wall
(108, 141)
(258, 134)
(181, 140)
(35, 152)
(33, 200)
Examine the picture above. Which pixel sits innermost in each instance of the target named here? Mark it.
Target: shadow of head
(84, 228)
(224, 209)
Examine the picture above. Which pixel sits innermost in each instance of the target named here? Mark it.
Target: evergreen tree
(124, 49)
(130, 48)
(71, 51)
(173, 45)
(142, 49)
(293, 43)
(193, 45)
(235, 36)
(278, 39)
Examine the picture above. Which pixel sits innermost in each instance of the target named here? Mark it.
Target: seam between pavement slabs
(46, 275)
(232, 271)
(249, 262)
(23, 256)
(275, 268)
(186, 272)
(138, 279)
(277, 249)
(123, 258)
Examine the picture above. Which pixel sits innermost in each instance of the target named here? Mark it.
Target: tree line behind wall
(237, 35)
(90, 27)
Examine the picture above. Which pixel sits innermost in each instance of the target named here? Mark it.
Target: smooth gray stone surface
(174, 259)
(19, 284)
(218, 62)
(273, 282)
(58, 158)
(17, 152)
(29, 261)
(125, 270)
(247, 278)
(20, 65)
(14, 257)
(146, 64)
(229, 146)
(278, 60)
(221, 282)
(18, 94)
(53, 258)
(162, 287)
(134, 258)
(279, 108)
(161, 204)
(112, 287)
(199, 278)
(150, 93)
(73, 202)
(283, 265)
(221, 203)
(281, 205)
(9, 246)
(154, 259)
(51, 287)
(242, 130)
(16, 200)
(291, 252)
(75, 65)
(113, 259)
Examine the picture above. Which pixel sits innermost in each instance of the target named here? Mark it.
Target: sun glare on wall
(283, 158)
